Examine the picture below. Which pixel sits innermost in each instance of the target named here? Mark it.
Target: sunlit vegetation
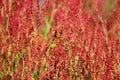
(59, 39)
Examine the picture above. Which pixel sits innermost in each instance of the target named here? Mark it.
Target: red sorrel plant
(59, 40)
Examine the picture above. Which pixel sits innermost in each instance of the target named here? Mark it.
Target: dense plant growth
(59, 39)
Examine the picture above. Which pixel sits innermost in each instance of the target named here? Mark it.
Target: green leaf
(110, 5)
(16, 62)
(53, 44)
(76, 61)
(48, 24)
(9, 53)
(21, 55)
(119, 9)
(42, 69)
(1, 77)
(4, 62)
(43, 66)
(23, 69)
(78, 79)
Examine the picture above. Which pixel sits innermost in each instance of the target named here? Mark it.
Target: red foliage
(59, 39)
